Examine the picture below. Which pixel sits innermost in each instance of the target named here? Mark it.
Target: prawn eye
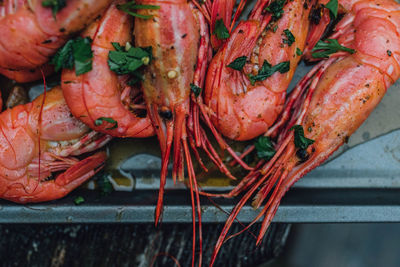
(303, 155)
(165, 113)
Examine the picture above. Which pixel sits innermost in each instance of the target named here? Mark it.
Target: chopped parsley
(300, 141)
(333, 7)
(289, 37)
(55, 5)
(220, 30)
(267, 70)
(276, 9)
(264, 147)
(126, 60)
(100, 121)
(104, 184)
(130, 6)
(75, 53)
(299, 52)
(330, 47)
(195, 89)
(238, 63)
(389, 53)
(79, 200)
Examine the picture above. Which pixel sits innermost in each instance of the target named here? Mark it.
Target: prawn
(37, 148)
(247, 79)
(330, 103)
(101, 94)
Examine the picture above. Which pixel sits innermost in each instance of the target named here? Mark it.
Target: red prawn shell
(97, 94)
(20, 144)
(242, 111)
(174, 50)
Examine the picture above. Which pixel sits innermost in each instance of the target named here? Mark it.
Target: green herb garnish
(55, 5)
(333, 7)
(79, 200)
(332, 46)
(220, 30)
(128, 61)
(238, 63)
(299, 52)
(276, 8)
(129, 8)
(267, 70)
(300, 141)
(100, 121)
(104, 184)
(265, 148)
(75, 53)
(195, 89)
(289, 37)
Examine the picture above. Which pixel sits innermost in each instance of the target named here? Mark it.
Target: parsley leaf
(332, 46)
(333, 7)
(83, 55)
(289, 37)
(265, 148)
(300, 141)
(64, 57)
(75, 53)
(128, 61)
(299, 52)
(195, 89)
(130, 6)
(276, 8)
(220, 30)
(79, 200)
(100, 121)
(238, 63)
(267, 70)
(104, 184)
(55, 5)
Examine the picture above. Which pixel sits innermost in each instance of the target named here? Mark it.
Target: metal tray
(360, 184)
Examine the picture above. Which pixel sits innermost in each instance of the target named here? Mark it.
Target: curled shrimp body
(100, 93)
(30, 33)
(39, 139)
(337, 96)
(241, 110)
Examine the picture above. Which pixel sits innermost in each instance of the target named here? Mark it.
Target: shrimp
(331, 102)
(31, 33)
(100, 93)
(38, 140)
(173, 32)
(243, 105)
